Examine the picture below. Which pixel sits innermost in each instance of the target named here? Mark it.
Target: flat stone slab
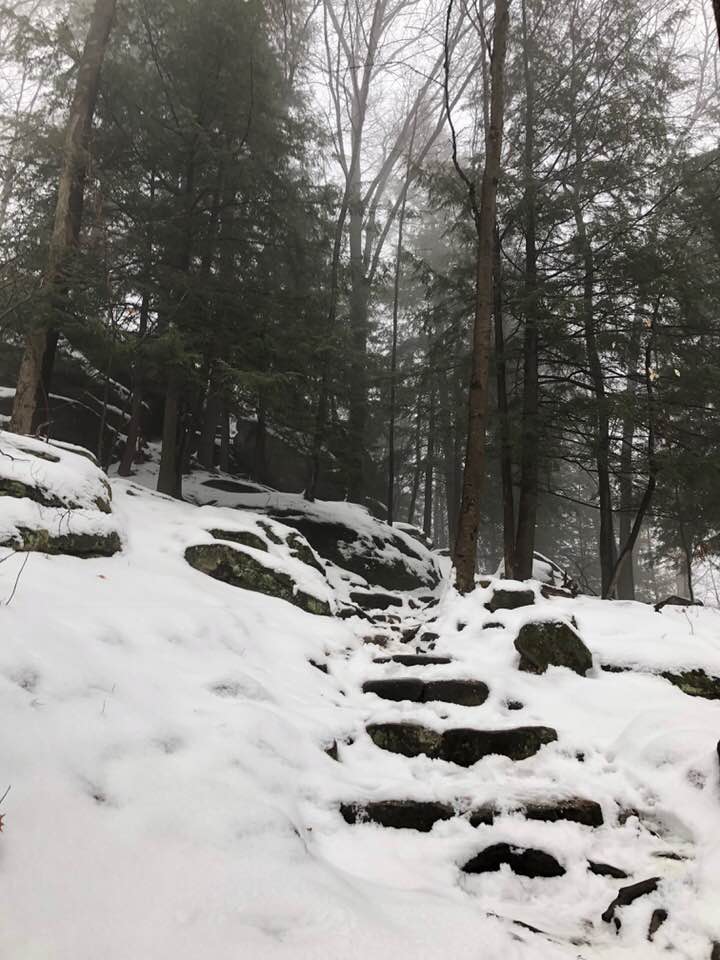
(465, 693)
(403, 688)
(552, 643)
(466, 746)
(526, 862)
(420, 815)
(572, 809)
(468, 693)
(606, 870)
(461, 746)
(510, 599)
(414, 660)
(407, 739)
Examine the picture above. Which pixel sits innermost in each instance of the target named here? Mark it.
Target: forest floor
(178, 752)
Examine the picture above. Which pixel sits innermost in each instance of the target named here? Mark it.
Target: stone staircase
(420, 673)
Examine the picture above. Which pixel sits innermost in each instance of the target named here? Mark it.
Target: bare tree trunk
(505, 442)
(394, 344)
(414, 489)
(429, 469)
(626, 577)
(225, 439)
(68, 213)
(528, 502)
(465, 549)
(169, 461)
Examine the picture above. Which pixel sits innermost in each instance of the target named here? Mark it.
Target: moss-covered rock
(695, 683)
(38, 494)
(407, 739)
(83, 545)
(239, 569)
(551, 643)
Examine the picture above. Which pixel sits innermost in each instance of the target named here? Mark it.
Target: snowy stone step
(420, 815)
(415, 659)
(526, 862)
(573, 809)
(510, 599)
(461, 746)
(468, 693)
(376, 600)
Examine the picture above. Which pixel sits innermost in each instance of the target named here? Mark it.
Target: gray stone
(467, 693)
(628, 895)
(417, 815)
(407, 739)
(551, 643)
(606, 870)
(465, 746)
(509, 599)
(403, 688)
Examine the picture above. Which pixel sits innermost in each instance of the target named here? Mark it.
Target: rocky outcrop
(552, 643)
(239, 569)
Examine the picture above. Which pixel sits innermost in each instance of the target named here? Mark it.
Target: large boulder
(552, 643)
(54, 500)
(384, 557)
(238, 568)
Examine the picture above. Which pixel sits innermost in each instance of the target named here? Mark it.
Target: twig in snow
(17, 579)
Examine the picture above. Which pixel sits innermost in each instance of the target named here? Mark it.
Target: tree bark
(429, 469)
(626, 577)
(68, 214)
(529, 467)
(465, 549)
(168, 481)
(506, 477)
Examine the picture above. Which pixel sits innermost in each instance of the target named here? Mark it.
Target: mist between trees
(456, 261)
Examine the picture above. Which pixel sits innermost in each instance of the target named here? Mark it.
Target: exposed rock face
(244, 537)
(83, 545)
(695, 683)
(525, 862)
(510, 599)
(552, 643)
(55, 501)
(223, 562)
(418, 815)
(463, 747)
(363, 555)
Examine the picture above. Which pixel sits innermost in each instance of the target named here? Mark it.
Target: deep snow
(163, 735)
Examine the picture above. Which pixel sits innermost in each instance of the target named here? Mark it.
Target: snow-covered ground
(164, 738)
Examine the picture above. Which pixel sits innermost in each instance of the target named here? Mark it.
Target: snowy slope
(164, 736)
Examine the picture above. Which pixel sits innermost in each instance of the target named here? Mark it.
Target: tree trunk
(429, 469)
(359, 305)
(529, 467)
(505, 440)
(415, 487)
(210, 420)
(169, 461)
(607, 548)
(68, 213)
(225, 439)
(469, 520)
(260, 453)
(626, 577)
